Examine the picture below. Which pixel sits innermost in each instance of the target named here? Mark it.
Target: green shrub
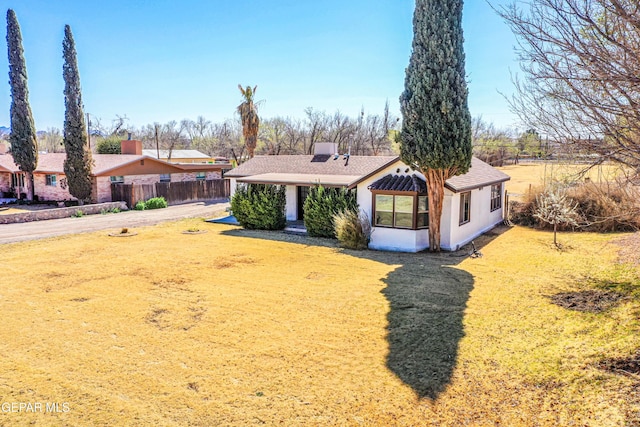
(353, 230)
(260, 206)
(322, 204)
(140, 206)
(78, 214)
(109, 145)
(155, 203)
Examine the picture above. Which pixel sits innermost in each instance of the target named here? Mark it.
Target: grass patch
(163, 330)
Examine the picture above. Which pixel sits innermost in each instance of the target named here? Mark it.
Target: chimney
(131, 146)
(326, 148)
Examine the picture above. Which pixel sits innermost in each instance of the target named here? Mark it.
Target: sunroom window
(400, 211)
(400, 201)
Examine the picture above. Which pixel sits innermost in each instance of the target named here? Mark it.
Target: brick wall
(102, 184)
(191, 176)
(5, 182)
(102, 189)
(142, 179)
(60, 212)
(58, 192)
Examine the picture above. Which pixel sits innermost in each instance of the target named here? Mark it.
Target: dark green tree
(109, 145)
(436, 128)
(24, 144)
(77, 165)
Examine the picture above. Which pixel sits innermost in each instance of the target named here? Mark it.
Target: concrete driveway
(10, 233)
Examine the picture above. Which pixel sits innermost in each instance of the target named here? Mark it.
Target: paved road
(10, 233)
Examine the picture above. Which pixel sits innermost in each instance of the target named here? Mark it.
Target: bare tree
(51, 141)
(273, 134)
(317, 124)
(581, 73)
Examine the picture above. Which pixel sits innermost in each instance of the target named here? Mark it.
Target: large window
(496, 197)
(50, 180)
(17, 180)
(401, 211)
(465, 207)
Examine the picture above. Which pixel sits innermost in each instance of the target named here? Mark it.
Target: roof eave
(474, 186)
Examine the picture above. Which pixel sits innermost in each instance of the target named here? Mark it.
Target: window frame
(202, 177)
(51, 180)
(414, 211)
(165, 177)
(113, 179)
(17, 180)
(496, 202)
(465, 200)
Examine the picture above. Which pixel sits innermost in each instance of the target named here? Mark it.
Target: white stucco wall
(481, 221)
(399, 240)
(291, 208)
(452, 235)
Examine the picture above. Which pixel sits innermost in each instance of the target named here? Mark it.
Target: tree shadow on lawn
(427, 297)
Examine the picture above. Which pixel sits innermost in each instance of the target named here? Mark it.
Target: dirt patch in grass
(592, 300)
(626, 365)
(629, 249)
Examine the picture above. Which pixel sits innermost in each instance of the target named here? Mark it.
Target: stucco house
(133, 167)
(389, 192)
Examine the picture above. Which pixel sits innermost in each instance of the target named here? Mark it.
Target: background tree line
(369, 134)
(366, 134)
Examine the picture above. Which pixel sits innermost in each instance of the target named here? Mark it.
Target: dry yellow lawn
(12, 211)
(525, 175)
(235, 327)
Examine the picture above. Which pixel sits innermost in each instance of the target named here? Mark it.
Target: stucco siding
(399, 240)
(481, 220)
(291, 208)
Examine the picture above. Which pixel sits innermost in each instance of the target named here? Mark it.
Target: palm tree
(249, 118)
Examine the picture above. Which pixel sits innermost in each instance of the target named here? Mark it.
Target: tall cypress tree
(77, 165)
(436, 128)
(24, 144)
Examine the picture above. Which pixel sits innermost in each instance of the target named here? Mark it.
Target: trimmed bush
(322, 204)
(155, 203)
(140, 206)
(260, 206)
(353, 230)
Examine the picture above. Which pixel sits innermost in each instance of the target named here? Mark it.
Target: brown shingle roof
(318, 165)
(6, 163)
(480, 175)
(314, 165)
(102, 163)
(302, 179)
(400, 183)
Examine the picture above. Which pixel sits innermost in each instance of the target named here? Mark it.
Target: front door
(303, 192)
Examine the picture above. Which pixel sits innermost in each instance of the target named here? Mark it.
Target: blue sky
(161, 60)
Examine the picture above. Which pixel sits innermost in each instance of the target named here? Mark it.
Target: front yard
(235, 327)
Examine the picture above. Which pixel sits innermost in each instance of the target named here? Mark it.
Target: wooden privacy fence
(173, 192)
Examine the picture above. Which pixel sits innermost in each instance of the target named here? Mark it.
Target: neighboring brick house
(183, 156)
(50, 182)
(390, 193)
